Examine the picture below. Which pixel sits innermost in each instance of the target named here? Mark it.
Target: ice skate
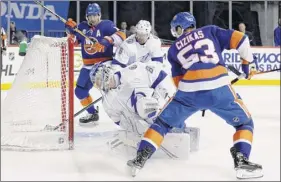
(244, 168)
(89, 120)
(138, 163)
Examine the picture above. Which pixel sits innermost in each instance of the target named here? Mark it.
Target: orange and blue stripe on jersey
(121, 34)
(203, 76)
(237, 38)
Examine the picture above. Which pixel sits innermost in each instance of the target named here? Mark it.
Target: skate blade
(89, 124)
(246, 174)
(134, 170)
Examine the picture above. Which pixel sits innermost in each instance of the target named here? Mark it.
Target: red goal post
(41, 98)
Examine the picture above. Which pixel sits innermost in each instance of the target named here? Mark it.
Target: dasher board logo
(11, 56)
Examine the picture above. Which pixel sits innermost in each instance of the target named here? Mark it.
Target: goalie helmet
(183, 20)
(102, 76)
(143, 30)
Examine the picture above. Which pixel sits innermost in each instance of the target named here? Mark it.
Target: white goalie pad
(176, 145)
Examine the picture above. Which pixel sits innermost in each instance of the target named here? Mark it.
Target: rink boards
(268, 58)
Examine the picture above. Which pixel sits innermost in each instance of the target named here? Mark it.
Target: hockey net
(37, 113)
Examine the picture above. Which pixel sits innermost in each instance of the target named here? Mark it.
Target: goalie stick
(64, 21)
(53, 128)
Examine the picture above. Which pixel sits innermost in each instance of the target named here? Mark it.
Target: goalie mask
(143, 29)
(102, 76)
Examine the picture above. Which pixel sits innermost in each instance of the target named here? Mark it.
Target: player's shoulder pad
(130, 40)
(83, 25)
(124, 48)
(209, 27)
(107, 23)
(154, 41)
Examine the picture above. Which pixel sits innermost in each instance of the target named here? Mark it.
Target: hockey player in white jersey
(142, 46)
(132, 97)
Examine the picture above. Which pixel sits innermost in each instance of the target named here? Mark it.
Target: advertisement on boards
(267, 59)
(27, 14)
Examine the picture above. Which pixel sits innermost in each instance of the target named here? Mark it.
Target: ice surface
(92, 160)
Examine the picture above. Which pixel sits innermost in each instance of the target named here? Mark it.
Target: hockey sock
(243, 137)
(154, 136)
(86, 101)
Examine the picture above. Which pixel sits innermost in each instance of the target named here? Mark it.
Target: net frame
(67, 99)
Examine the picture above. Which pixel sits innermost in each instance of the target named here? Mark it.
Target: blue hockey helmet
(183, 20)
(93, 9)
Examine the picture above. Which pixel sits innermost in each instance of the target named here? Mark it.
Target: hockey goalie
(132, 98)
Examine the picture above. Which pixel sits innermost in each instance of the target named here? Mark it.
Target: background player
(3, 40)
(202, 80)
(142, 46)
(107, 35)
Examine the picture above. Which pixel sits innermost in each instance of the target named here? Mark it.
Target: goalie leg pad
(126, 143)
(194, 134)
(194, 137)
(154, 136)
(178, 144)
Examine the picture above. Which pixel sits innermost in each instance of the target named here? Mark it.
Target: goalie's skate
(89, 120)
(244, 168)
(137, 164)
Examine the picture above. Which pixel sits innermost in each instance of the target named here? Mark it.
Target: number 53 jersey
(196, 57)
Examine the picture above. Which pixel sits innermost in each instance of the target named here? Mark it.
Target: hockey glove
(70, 25)
(254, 69)
(103, 44)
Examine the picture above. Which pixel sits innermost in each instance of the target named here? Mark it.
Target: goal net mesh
(37, 113)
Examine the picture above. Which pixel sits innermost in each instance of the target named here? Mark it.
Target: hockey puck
(61, 140)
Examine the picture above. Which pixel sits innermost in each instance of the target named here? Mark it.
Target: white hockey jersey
(131, 51)
(138, 79)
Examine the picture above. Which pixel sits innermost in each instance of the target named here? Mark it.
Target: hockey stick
(236, 72)
(82, 110)
(262, 72)
(64, 21)
(53, 128)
